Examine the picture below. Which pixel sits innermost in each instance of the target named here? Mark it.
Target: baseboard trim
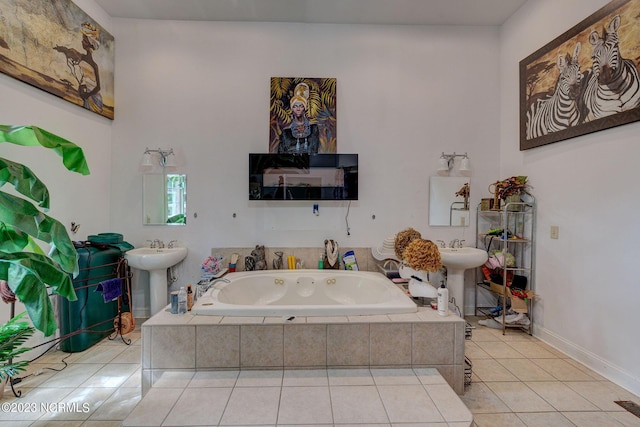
(592, 361)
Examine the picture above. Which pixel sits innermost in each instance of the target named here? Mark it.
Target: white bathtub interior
(304, 293)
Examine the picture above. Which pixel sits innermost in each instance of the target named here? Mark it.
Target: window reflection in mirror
(164, 199)
(445, 207)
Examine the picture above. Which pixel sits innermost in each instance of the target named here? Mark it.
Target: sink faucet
(157, 243)
(441, 243)
(170, 245)
(152, 244)
(454, 243)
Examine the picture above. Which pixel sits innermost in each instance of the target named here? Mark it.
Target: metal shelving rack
(518, 222)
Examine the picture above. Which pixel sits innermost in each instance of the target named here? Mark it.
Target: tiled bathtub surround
(199, 343)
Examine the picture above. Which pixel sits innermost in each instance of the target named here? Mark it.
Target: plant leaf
(28, 274)
(24, 181)
(22, 215)
(12, 240)
(13, 335)
(72, 155)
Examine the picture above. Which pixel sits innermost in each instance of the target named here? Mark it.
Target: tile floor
(517, 381)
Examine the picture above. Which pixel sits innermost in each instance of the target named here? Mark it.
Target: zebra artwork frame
(585, 80)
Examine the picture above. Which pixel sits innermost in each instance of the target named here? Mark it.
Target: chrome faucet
(204, 287)
(152, 244)
(455, 243)
(171, 244)
(213, 283)
(157, 243)
(441, 243)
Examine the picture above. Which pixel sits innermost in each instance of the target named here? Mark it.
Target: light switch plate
(555, 232)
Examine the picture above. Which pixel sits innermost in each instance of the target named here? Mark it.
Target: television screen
(303, 176)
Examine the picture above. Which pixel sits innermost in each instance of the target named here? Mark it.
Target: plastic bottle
(443, 300)
(321, 261)
(182, 301)
(189, 297)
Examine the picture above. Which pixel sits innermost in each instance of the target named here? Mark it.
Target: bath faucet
(212, 283)
(441, 243)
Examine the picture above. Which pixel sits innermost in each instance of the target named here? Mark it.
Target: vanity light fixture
(447, 160)
(165, 160)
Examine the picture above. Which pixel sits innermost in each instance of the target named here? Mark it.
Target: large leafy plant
(23, 263)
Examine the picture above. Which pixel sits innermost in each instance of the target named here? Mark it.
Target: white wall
(404, 95)
(82, 199)
(587, 281)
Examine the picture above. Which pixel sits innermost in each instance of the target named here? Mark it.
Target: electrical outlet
(555, 232)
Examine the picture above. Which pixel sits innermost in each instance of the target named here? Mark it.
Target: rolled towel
(111, 289)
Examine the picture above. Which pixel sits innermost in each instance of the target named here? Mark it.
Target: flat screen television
(275, 176)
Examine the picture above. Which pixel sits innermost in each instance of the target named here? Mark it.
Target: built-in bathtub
(304, 293)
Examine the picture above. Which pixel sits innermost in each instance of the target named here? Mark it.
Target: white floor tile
(198, 406)
(394, 376)
(305, 377)
(214, 379)
(153, 409)
(270, 378)
(111, 375)
(408, 404)
(357, 404)
(519, 397)
(305, 405)
(118, 406)
(263, 402)
(350, 377)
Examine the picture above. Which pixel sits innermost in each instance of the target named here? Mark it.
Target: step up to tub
(301, 397)
(413, 340)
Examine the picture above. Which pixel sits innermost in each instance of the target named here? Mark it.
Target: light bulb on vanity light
(465, 166)
(146, 159)
(443, 166)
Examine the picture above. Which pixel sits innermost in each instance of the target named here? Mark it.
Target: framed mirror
(445, 207)
(164, 199)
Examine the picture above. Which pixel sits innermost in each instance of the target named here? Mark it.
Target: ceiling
(394, 12)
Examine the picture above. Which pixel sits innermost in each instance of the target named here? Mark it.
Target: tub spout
(204, 287)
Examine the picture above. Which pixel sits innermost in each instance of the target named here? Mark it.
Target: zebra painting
(613, 84)
(561, 109)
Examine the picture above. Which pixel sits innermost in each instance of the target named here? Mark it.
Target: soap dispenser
(443, 300)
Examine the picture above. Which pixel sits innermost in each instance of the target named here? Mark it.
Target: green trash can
(89, 314)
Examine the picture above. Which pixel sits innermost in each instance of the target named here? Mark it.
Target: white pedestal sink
(457, 260)
(156, 261)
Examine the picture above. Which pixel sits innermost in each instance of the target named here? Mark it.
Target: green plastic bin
(89, 312)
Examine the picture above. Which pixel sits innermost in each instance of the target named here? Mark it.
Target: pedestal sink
(457, 260)
(156, 261)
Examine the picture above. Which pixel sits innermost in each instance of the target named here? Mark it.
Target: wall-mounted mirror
(445, 207)
(164, 199)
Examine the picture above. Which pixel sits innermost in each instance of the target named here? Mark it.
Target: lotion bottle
(443, 300)
(321, 261)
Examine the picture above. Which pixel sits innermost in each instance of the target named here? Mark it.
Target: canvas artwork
(303, 115)
(585, 80)
(56, 47)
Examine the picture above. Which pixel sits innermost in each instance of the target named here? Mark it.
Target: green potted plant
(23, 263)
